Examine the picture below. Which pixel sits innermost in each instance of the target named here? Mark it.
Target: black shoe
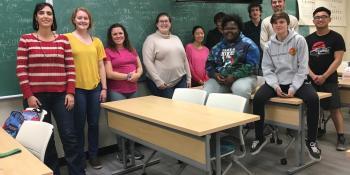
(120, 158)
(314, 151)
(341, 144)
(257, 145)
(95, 163)
(138, 155)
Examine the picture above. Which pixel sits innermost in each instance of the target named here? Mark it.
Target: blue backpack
(16, 118)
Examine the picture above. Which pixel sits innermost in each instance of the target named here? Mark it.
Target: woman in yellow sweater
(91, 89)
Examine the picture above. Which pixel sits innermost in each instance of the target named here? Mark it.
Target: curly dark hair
(235, 18)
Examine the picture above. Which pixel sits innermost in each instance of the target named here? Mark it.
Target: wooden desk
(179, 129)
(289, 113)
(344, 90)
(23, 163)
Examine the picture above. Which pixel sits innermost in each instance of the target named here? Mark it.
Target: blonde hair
(74, 14)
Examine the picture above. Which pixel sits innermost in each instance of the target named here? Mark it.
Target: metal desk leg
(132, 166)
(218, 153)
(301, 143)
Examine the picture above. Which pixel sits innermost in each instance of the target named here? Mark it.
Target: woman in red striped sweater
(46, 73)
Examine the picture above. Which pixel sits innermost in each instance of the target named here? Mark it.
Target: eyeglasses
(321, 17)
(165, 21)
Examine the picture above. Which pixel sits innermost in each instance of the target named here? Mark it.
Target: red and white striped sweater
(45, 66)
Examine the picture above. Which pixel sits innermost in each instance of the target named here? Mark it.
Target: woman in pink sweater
(197, 55)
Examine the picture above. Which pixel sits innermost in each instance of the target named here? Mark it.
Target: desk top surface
(187, 117)
(20, 163)
(297, 101)
(344, 83)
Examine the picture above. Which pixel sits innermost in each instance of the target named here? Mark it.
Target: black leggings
(306, 92)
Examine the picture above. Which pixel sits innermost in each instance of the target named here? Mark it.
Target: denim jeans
(115, 96)
(242, 87)
(167, 92)
(53, 103)
(87, 108)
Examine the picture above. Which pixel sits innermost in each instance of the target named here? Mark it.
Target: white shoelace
(314, 147)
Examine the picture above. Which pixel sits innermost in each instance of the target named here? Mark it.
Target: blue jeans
(53, 103)
(87, 108)
(242, 87)
(168, 92)
(115, 96)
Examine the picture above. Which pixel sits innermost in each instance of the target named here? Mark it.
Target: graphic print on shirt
(319, 48)
(228, 54)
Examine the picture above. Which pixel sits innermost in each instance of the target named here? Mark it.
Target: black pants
(306, 92)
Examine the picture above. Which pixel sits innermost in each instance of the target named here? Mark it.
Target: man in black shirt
(252, 28)
(215, 35)
(326, 50)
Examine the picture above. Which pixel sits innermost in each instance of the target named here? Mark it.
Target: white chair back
(35, 135)
(226, 101)
(191, 95)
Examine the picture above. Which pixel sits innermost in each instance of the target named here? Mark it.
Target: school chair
(228, 148)
(191, 95)
(35, 135)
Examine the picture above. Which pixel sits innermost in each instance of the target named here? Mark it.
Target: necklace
(54, 41)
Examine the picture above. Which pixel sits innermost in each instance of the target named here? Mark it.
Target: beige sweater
(165, 59)
(267, 30)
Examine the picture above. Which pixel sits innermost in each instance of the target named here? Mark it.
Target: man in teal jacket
(233, 62)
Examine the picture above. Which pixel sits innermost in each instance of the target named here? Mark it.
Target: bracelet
(128, 77)
(104, 88)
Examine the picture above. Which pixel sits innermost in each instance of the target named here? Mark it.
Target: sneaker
(257, 145)
(341, 144)
(314, 151)
(95, 163)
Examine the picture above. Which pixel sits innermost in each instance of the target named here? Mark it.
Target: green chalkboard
(16, 19)
(138, 16)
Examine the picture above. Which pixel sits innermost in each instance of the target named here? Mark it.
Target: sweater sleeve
(22, 67)
(148, 53)
(70, 68)
(303, 68)
(269, 70)
(210, 65)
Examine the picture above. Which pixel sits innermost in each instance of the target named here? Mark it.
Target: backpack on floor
(16, 118)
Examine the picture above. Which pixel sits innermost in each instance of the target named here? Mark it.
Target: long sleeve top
(286, 62)
(45, 66)
(165, 59)
(239, 59)
(197, 59)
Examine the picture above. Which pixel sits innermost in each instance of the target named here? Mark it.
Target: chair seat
(227, 146)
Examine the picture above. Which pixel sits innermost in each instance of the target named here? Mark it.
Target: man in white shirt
(266, 27)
